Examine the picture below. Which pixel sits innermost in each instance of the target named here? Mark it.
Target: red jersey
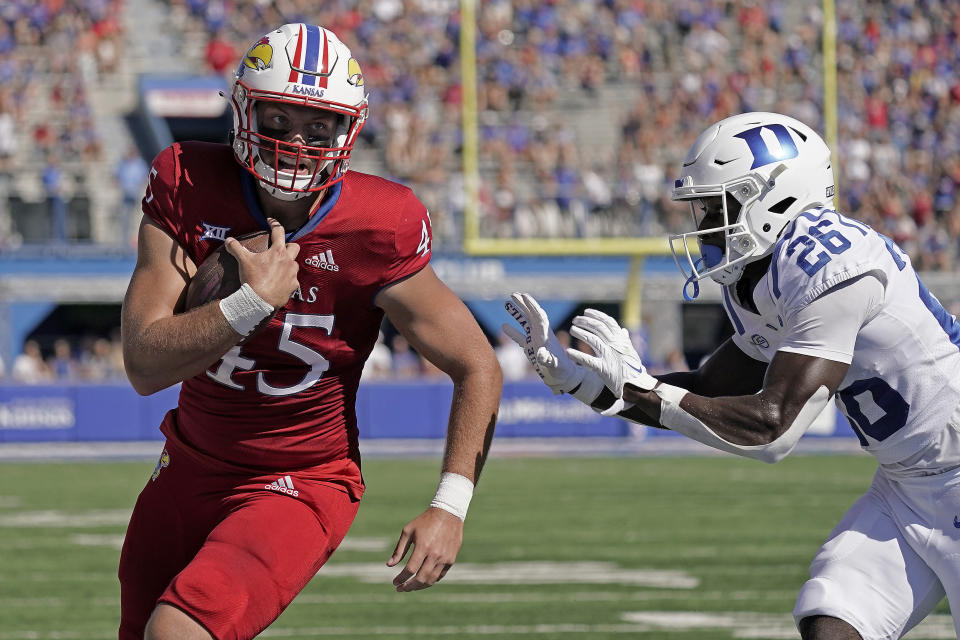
(285, 399)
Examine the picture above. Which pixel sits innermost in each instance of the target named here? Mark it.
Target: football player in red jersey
(260, 478)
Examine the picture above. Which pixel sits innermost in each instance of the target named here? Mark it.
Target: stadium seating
(585, 107)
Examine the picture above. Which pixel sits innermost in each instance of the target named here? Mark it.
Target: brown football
(219, 275)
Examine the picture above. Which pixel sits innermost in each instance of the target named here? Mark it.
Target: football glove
(545, 352)
(616, 360)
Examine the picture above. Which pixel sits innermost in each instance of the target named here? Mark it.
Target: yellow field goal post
(637, 248)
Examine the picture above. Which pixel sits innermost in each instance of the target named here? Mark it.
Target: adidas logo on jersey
(283, 485)
(322, 260)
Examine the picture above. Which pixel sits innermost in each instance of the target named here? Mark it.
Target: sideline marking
(527, 573)
(478, 597)
(53, 518)
(110, 540)
(398, 448)
(743, 624)
(496, 597)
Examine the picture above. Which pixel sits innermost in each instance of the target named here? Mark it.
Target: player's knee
(827, 628)
(170, 623)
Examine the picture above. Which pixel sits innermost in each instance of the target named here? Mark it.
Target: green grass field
(675, 548)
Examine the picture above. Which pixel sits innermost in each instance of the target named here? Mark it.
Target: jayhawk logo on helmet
(354, 74)
(260, 55)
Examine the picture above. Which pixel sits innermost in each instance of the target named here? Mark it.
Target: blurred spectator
(220, 54)
(96, 362)
(674, 361)
(53, 186)
(404, 360)
(513, 361)
(29, 367)
(8, 137)
(131, 174)
(62, 363)
(116, 352)
(380, 363)
(430, 371)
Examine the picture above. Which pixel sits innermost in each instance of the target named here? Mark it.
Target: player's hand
(436, 536)
(616, 360)
(540, 345)
(271, 273)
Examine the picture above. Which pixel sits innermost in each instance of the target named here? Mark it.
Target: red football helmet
(301, 65)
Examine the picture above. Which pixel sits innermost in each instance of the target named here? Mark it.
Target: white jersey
(901, 393)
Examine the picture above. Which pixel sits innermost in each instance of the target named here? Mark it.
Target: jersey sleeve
(413, 241)
(818, 251)
(828, 326)
(159, 200)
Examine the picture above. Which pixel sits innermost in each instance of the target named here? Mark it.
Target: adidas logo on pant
(322, 260)
(283, 485)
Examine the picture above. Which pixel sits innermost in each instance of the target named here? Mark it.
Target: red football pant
(223, 547)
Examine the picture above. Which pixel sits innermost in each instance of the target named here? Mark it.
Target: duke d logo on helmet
(767, 148)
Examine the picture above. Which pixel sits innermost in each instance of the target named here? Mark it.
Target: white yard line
(424, 448)
(479, 597)
(742, 624)
(526, 573)
(53, 518)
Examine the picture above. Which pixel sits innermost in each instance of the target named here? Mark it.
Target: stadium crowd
(585, 106)
(544, 67)
(547, 73)
(53, 54)
(99, 359)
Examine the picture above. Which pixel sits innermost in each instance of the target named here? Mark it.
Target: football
(219, 275)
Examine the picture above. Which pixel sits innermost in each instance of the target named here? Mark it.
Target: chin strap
(693, 280)
(696, 289)
(710, 256)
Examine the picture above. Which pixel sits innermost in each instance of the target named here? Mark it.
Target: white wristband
(669, 394)
(589, 388)
(453, 494)
(244, 309)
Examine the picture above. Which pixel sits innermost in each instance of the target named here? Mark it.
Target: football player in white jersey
(824, 308)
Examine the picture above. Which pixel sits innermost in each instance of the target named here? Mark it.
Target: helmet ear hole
(783, 205)
(733, 207)
(766, 227)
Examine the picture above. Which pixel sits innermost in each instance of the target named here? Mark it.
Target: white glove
(616, 361)
(545, 352)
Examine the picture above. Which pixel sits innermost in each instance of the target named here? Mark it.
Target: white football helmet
(774, 166)
(302, 65)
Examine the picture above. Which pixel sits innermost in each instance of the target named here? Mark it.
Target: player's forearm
(713, 386)
(173, 349)
(745, 420)
(473, 415)
(759, 426)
